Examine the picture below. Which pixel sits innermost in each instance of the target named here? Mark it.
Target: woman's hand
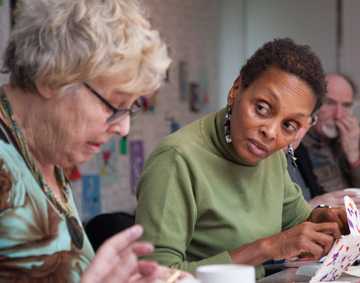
(117, 260)
(314, 239)
(338, 215)
(165, 273)
(309, 238)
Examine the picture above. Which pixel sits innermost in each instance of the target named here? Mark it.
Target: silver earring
(292, 157)
(227, 124)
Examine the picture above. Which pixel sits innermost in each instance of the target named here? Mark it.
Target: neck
(27, 119)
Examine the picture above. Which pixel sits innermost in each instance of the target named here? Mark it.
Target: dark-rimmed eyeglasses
(135, 108)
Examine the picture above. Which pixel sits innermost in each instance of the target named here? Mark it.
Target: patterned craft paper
(344, 251)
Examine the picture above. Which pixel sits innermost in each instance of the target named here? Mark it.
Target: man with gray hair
(333, 143)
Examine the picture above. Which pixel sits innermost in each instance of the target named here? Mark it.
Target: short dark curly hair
(286, 55)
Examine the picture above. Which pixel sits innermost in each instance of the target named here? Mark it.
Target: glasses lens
(136, 108)
(116, 117)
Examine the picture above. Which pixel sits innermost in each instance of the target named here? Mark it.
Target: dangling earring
(227, 124)
(292, 157)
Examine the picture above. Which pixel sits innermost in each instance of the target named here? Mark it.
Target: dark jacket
(306, 169)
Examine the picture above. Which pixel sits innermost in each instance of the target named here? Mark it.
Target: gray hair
(61, 43)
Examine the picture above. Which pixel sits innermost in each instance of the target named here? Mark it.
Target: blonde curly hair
(61, 43)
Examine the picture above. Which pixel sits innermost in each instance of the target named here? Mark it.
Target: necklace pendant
(75, 231)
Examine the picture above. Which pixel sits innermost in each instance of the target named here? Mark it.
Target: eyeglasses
(135, 108)
(314, 120)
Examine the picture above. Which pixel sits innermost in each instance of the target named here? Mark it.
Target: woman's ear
(44, 91)
(235, 89)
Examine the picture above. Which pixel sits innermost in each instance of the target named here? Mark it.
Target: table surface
(289, 269)
(289, 275)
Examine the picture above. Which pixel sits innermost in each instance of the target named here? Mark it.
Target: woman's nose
(270, 130)
(121, 127)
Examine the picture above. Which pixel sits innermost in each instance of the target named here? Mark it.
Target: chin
(82, 160)
(331, 133)
(75, 160)
(251, 158)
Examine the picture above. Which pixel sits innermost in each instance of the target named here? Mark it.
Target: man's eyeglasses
(135, 108)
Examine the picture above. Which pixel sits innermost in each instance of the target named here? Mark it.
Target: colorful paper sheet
(344, 251)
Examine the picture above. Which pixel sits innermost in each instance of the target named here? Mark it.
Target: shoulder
(183, 141)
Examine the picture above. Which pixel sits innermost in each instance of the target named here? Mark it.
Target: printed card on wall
(136, 162)
(91, 205)
(107, 162)
(344, 251)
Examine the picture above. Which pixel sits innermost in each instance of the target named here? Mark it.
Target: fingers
(118, 270)
(314, 239)
(336, 198)
(328, 228)
(119, 253)
(319, 238)
(124, 240)
(120, 241)
(142, 249)
(349, 138)
(347, 124)
(165, 273)
(148, 272)
(342, 193)
(337, 215)
(320, 248)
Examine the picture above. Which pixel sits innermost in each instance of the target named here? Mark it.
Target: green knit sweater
(197, 199)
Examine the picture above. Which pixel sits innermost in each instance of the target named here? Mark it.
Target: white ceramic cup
(229, 273)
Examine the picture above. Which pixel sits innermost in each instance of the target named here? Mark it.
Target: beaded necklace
(75, 230)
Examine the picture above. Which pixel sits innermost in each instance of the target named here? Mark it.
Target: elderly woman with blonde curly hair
(77, 70)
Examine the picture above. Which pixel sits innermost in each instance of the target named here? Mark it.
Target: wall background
(211, 39)
(4, 32)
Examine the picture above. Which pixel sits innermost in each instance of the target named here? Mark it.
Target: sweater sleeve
(167, 210)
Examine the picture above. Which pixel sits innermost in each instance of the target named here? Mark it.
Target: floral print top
(35, 245)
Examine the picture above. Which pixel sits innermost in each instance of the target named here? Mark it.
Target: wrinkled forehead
(339, 89)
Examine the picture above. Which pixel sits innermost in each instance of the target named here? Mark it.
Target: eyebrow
(274, 96)
(299, 114)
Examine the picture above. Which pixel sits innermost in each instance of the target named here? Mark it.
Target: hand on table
(349, 138)
(335, 199)
(314, 239)
(117, 260)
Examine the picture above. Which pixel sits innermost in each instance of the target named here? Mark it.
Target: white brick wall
(190, 28)
(4, 34)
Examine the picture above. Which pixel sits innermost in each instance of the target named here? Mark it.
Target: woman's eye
(290, 127)
(262, 110)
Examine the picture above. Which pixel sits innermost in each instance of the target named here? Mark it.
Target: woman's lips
(94, 147)
(257, 148)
